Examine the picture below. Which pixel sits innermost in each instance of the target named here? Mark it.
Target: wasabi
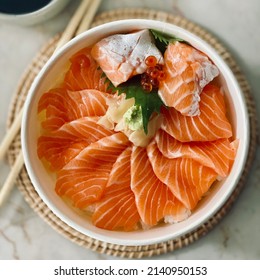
(133, 117)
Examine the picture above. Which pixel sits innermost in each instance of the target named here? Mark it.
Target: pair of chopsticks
(79, 22)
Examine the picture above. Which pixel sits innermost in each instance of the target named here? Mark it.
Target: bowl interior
(44, 182)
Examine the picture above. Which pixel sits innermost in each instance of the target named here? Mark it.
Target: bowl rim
(58, 55)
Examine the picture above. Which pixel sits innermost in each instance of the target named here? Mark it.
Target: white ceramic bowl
(43, 14)
(44, 183)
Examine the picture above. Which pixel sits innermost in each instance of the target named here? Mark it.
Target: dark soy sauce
(17, 7)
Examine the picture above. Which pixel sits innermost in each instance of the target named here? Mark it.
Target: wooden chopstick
(85, 23)
(79, 22)
(12, 132)
(74, 23)
(9, 182)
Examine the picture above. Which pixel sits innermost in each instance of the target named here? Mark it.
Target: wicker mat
(44, 212)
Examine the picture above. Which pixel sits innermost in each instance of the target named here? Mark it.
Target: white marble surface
(24, 235)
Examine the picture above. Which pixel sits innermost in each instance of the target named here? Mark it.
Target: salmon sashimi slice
(210, 125)
(187, 179)
(84, 178)
(84, 73)
(122, 56)
(187, 72)
(218, 155)
(60, 146)
(154, 199)
(63, 106)
(116, 210)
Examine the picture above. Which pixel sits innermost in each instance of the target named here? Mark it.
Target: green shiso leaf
(162, 40)
(148, 101)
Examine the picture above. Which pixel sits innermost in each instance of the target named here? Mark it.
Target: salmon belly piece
(218, 155)
(60, 146)
(63, 106)
(153, 198)
(84, 178)
(188, 71)
(187, 179)
(210, 125)
(84, 73)
(122, 56)
(116, 210)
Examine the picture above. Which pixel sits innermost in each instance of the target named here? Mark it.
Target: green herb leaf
(149, 101)
(162, 40)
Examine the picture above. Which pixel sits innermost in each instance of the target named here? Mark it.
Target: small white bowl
(44, 182)
(46, 12)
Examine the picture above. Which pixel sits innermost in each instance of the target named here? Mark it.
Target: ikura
(153, 75)
(151, 61)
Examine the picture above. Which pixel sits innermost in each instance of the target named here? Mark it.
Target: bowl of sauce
(29, 12)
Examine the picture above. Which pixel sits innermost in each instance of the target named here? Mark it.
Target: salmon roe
(161, 76)
(154, 74)
(151, 61)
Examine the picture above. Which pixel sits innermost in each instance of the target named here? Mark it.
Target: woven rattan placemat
(45, 213)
